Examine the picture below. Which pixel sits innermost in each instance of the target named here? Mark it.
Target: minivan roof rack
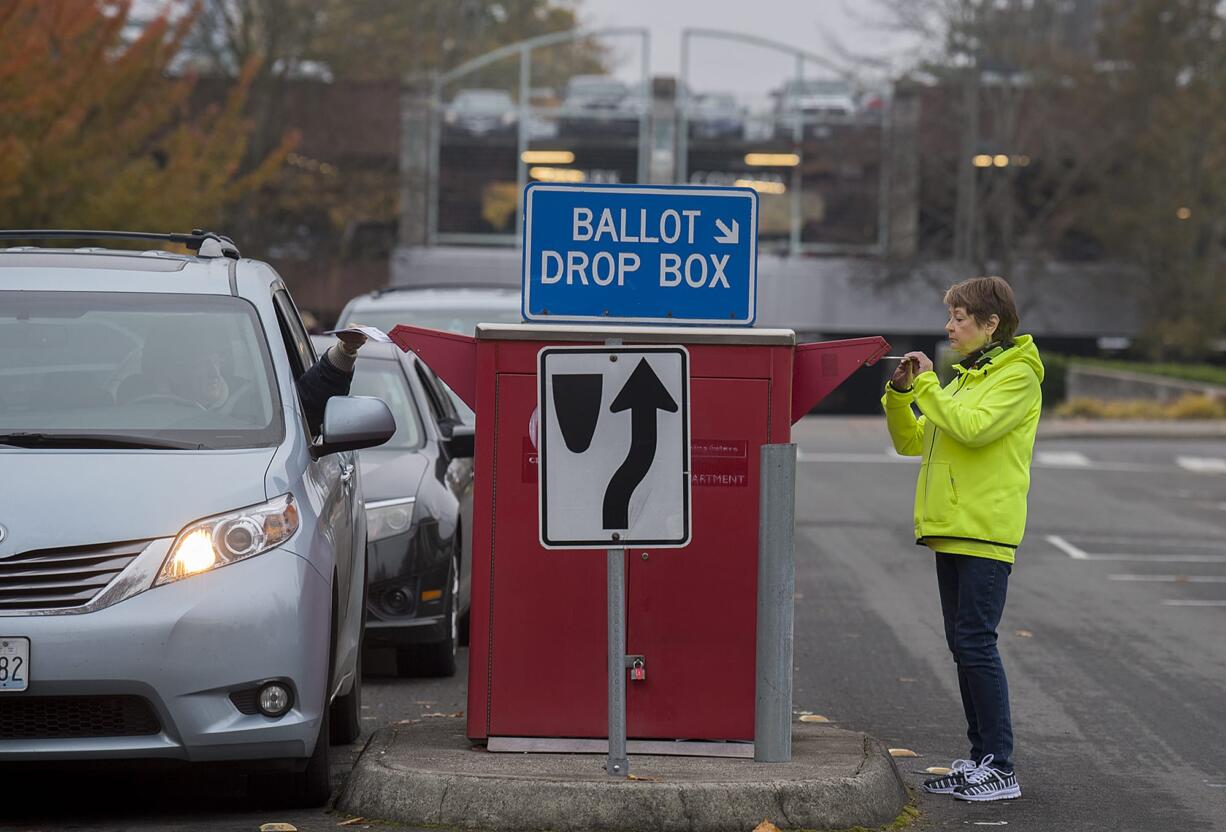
(204, 243)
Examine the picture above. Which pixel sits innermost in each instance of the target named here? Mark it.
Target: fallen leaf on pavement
(1023, 634)
(278, 827)
(1181, 579)
(644, 779)
(902, 752)
(351, 821)
(940, 771)
(812, 718)
(766, 826)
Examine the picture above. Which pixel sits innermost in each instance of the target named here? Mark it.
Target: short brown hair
(983, 297)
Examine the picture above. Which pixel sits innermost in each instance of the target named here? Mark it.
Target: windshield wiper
(94, 440)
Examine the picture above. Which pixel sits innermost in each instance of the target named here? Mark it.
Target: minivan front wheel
(313, 785)
(347, 709)
(346, 713)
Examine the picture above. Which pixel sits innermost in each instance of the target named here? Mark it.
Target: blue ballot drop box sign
(640, 254)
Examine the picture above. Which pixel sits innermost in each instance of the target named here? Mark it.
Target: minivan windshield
(127, 369)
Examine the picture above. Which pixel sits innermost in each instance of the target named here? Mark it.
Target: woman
(976, 437)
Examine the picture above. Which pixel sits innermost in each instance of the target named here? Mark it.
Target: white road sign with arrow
(614, 447)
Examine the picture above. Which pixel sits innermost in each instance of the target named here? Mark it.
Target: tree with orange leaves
(96, 133)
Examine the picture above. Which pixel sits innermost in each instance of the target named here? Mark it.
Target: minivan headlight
(227, 538)
(385, 518)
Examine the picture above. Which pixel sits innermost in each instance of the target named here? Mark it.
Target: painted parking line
(1077, 553)
(1171, 579)
(1180, 603)
(813, 456)
(1202, 464)
(1066, 547)
(1215, 545)
(1061, 459)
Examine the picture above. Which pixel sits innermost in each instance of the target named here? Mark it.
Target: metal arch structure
(524, 49)
(801, 57)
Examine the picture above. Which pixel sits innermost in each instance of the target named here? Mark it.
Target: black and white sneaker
(946, 783)
(986, 783)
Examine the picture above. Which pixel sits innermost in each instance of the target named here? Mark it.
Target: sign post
(618, 764)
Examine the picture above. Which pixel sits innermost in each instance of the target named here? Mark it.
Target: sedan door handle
(346, 473)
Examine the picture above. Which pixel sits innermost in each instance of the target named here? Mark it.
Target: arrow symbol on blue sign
(643, 394)
(730, 236)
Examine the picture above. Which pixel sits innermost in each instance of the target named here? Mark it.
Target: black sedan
(418, 492)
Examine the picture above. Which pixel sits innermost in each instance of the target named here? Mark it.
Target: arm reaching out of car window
(330, 376)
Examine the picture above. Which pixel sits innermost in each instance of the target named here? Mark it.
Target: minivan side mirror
(354, 422)
(461, 444)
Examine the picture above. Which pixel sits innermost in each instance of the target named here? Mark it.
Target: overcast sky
(805, 24)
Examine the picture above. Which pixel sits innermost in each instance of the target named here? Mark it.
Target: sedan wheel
(437, 659)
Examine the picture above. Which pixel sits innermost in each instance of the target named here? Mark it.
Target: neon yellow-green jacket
(976, 437)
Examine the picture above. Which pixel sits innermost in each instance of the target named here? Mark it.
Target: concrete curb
(427, 774)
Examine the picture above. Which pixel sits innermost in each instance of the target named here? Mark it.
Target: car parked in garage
(715, 116)
(600, 105)
(182, 537)
(418, 492)
(481, 113)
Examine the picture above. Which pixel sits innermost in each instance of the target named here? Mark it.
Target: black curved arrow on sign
(643, 394)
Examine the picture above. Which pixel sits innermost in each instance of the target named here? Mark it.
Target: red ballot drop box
(538, 638)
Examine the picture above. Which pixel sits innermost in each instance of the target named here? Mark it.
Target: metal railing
(524, 50)
(801, 57)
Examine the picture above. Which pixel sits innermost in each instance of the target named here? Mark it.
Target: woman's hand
(351, 342)
(901, 380)
(919, 362)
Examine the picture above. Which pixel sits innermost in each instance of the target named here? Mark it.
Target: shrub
(1080, 408)
(1197, 407)
(1148, 409)
(1188, 407)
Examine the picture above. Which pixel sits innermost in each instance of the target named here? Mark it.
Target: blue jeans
(972, 600)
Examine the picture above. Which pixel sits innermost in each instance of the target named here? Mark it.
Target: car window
(450, 404)
(475, 100)
(182, 368)
(298, 342)
(384, 380)
(597, 87)
(434, 398)
(462, 320)
(463, 411)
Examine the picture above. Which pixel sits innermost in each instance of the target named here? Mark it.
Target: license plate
(14, 663)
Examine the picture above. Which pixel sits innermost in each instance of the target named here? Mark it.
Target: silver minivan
(182, 560)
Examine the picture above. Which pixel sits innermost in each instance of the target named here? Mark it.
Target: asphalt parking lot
(1112, 640)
